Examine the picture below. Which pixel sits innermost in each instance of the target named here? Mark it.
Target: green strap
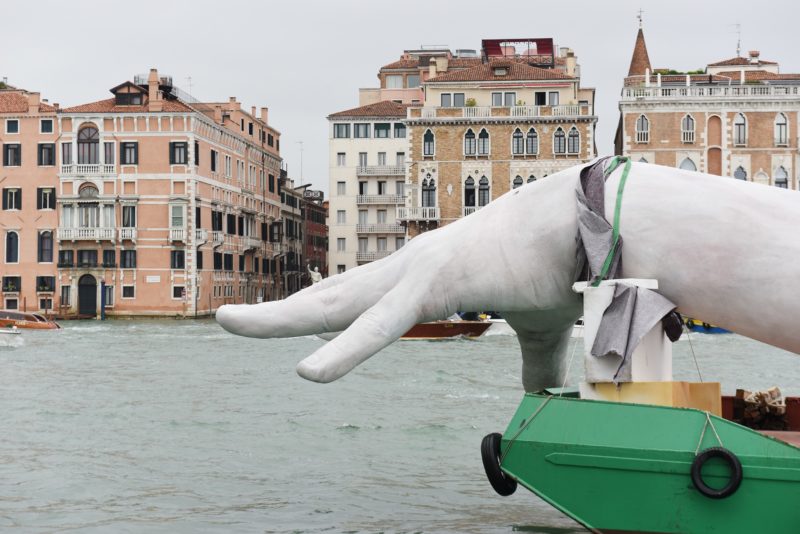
(615, 229)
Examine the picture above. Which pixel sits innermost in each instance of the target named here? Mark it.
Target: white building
(368, 149)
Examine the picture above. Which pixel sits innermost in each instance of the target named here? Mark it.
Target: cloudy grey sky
(306, 59)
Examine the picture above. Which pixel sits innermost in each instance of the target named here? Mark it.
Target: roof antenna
(738, 39)
(639, 16)
(189, 82)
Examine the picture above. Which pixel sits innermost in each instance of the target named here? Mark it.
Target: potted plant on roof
(471, 103)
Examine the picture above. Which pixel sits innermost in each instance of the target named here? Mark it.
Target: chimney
(253, 111)
(442, 64)
(154, 102)
(570, 62)
(432, 69)
(265, 115)
(56, 105)
(754, 56)
(233, 105)
(218, 114)
(33, 102)
(741, 77)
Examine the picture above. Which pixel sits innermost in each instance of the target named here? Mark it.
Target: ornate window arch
(469, 143)
(469, 191)
(781, 178)
(740, 129)
(484, 195)
(517, 143)
(532, 142)
(688, 165)
(428, 192)
(559, 141)
(573, 141)
(643, 160)
(781, 130)
(531, 178)
(88, 145)
(483, 143)
(740, 173)
(45, 247)
(428, 144)
(517, 182)
(642, 129)
(687, 129)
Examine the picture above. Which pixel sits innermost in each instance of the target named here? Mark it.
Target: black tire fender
(490, 454)
(706, 326)
(736, 472)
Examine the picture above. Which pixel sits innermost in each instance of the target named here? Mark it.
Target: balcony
(251, 242)
(469, 210)
(380, 199)
(177, 234)
(200, 235)
(373, 255)
(688, 92)
(418, 214)
(80, 169)
(127, 234)
(380, 228)
(499, 112)
(277, 248)
(79, 234)
(381, 170)
(217, 237)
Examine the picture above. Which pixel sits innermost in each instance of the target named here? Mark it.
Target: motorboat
(448, 328)
(13, 318)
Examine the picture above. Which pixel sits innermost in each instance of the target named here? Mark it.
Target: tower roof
(640, 61)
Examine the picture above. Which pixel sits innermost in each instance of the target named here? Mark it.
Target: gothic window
(483, 143)
(88, 143)
(469, 191)
(781, 178)
(469, 143)
(428, 192)
(687, 129)
(428, 144)
(483, 191)
(688, 165)
(740, 173)
(559, 141)
(781, 130)
(517, 143)
(517, 182)
(532, 142)
(642, 129)
(574, 141)
(740, 130)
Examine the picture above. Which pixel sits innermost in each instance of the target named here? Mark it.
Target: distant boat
(13, 318)
(447, 329)
(696, 325)
(501, 328)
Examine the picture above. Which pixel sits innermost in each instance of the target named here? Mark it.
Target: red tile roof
(517, 71)
(16, 102)
(740, 61)
(402, 64)
(758, 75)
(109, 105)
(452, 63)
(384, 108)
(640, 61)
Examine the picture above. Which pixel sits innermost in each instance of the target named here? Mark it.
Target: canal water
(177, 426)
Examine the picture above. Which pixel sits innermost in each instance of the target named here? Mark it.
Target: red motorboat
(10, 318)
(447, 329)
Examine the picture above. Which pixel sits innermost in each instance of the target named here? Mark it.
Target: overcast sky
(307, 59)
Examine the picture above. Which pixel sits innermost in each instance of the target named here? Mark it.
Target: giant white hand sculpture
(722, 249)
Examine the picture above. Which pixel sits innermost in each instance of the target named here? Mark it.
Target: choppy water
(177, 426)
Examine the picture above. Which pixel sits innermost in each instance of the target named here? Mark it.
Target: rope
(694, 357)
(617, 209)
(706, 424)
(569, 367)
(523, 427)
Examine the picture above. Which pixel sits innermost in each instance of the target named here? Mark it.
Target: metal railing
(417, 214)
(381, 170)
(380, 228)
(380, 199)
(372, 255)
(75, 234)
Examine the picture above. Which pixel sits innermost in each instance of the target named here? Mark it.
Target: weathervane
(639, 16)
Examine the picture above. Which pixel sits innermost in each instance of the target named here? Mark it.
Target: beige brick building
(517, 115)
(737, 117)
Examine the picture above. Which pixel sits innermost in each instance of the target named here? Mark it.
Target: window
(381, 187)
(428, 192)
(458, 100)
(45, 284)
(382, 244)
(781, 130)
(45, 198)
(400, 159)
(688, 165)
(227, 260)
(45, 303)
(362, 159)
(341, 159)
(197, 153)
(129, 99)
(394, 81)
(340, 269)
(469, 191)
(271, 139)
(341, 217)
(87, 258)
(428, 144)
(399, 188)
(552, 98)
(446, 100)
(250, 128)
(483, 143)
(643, 160)
(12, 155)
(687, 129)
(559, 141)
(781, 178)
(176, 216)
(178, 154)
(65, 294)
(12, 198)
(532, 142)
(128, 292)
(177, 259)
(382, 130)
(109, 258)
(510, 99)
(341, 131)
(199, 260)
(12, 304)
(399, 242)
(497, 99)
(46, 154)
(12, 247)
(362, 216)
(108, 153)
(740, 173)
(108, 296)
(241, 263)
(12, 126)
(12, 284)
(361, 130)
(381, 158)
(341, 188)
(642, 129)
(129, 216)
(540, 98)
(362, 188)
(218, 261)
(517, 182)
(470, 146)
(271, 183)
(740, 130)
(214, 155)
(127, 259)
(340, 244)
(531, 178)
(412, 81)
(88, 143)
(66, 153)
(399, 130)
(573, 141)
(381, 216)
(483, 191)
(517, 143)
(46, 126)
(45, 247)
(129, 153)
(66, 258)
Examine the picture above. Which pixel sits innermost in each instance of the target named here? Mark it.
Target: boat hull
(447, 329)
(618, 467)
(33, 325)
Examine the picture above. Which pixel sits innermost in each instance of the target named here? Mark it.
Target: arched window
(469, 143)
(12, 247)
(688, 165)
(559, 141)
(740, 130)
(428, 192)
(642, 160)
(781, 178)
(483, 143)
(428, 144)
(88, 143)
(517, 182)
(687, 129)
(781, 130)
(469, 191)
(642, 129)
(531, 178)
(573, 141)
(517, 143)
(45, 252)
(740, 173)
(532, 142)
(483, 191)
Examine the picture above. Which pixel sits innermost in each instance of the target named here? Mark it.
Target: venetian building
(736, 117)
(517, 115)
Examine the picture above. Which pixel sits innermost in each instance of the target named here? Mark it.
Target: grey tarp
(633, 311)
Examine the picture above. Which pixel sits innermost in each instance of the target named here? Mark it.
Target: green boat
(617, 467)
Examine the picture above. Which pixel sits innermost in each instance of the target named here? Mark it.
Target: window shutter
(5, 199)
(39, 200)
(135, 153)
(39, 151)
(5, 155)
(172, 153)
(19, 199)
(264, 232)
(196, 153)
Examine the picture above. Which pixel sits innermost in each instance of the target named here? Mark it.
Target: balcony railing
(696, 92)
(201, 235)
(687, 136)
(217, 237)
(380, 228)
(418, 214)
(372, 255)
(381, 170)
(380, 199)
(127, 233)
(277, 248)
(76, 234)
(251, 242)
(469, 210)
(177, 234)
(87, 169)
(484, 112)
